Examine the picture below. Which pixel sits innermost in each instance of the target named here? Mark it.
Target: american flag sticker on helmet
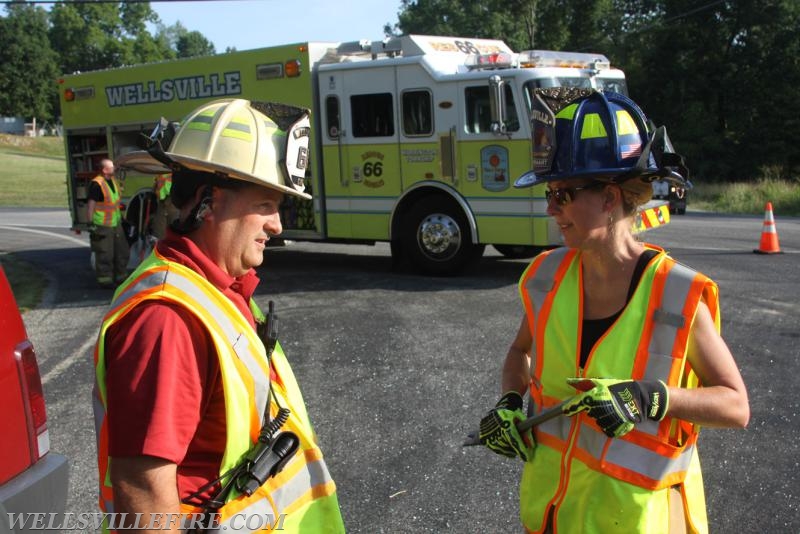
(630, 151)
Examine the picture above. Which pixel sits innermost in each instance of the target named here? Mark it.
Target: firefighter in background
(627, 335)
(107, 236)
(165, 210)
(188, 386)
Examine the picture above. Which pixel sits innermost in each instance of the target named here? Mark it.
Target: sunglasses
(564, 195)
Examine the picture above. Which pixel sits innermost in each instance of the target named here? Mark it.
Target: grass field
(32, 172)
(26, 283)
(750, 197)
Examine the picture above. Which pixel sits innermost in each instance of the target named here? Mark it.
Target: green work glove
(617, 405)
(498, 430)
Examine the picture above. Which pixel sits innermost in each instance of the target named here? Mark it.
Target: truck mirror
(497, 105)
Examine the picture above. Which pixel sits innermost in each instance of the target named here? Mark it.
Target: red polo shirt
(164, 387)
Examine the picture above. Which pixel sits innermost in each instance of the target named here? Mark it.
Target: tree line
(723, 76)
(37, 46)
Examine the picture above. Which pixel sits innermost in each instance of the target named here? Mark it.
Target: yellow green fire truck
(416, 140)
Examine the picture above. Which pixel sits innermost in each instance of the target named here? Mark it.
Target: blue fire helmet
(583, 133)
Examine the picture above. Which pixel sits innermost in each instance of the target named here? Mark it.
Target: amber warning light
(292, 68)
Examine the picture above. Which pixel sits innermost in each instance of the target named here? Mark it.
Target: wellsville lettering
(189, 88)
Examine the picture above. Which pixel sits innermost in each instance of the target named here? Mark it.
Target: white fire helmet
(233, 138)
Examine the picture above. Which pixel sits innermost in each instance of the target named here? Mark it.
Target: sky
(248, 24)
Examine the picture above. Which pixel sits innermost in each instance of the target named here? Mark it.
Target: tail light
(33, 395)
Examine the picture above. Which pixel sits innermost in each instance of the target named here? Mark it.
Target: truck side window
(417, 114)
(479, 115)
(332, 116)
(372, 115)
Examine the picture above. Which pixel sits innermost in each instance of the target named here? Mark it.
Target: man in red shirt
(183, 379)
(159, 396)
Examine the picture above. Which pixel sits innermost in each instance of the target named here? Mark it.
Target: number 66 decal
(373, 169)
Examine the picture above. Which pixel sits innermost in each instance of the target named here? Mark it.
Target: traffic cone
(769, 235)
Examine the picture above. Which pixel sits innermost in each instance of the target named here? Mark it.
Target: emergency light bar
(575, 60)
(495, 60)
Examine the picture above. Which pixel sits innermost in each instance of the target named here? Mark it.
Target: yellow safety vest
(302, 497)
(586, 481)
(106, 212)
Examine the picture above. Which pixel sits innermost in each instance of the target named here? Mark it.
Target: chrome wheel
(439, 237)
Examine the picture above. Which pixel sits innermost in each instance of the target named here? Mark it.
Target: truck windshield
(616, 85)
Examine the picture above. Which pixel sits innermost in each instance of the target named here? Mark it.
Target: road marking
(18, 225)
(89, 343)
(68, 361)
(42, 232)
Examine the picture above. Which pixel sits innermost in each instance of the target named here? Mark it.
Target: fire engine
(416, 140)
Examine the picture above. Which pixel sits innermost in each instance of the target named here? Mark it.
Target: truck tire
(437, 239)
(678, 206)
(517, 251)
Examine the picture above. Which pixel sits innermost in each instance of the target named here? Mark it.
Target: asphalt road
(397, 368)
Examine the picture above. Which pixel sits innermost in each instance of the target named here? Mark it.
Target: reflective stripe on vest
(534, 294)
(244, 346)
(305, 479)
(645, 457)
(301, 481)
(106, 212)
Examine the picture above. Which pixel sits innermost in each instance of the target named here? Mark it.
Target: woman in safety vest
(201, 425)
(616, 334)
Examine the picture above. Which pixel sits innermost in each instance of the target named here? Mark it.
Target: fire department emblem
(494, 168)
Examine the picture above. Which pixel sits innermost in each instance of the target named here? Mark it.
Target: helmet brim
(530, 178)
(142, 161)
